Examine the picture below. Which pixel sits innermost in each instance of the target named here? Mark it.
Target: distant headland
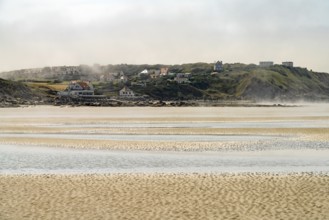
(215, 83)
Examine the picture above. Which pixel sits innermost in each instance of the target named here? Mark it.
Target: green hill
(276, 82)
(239, 81)
(236, 82)
(14, 89)
(15, 93)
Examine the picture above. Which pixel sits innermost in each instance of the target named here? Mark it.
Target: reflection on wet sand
(181, 173)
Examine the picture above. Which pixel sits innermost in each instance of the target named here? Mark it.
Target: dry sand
(165, 196)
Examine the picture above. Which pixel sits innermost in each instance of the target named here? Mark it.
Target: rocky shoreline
(17, 102)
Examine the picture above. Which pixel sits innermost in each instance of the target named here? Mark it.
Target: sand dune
(165, 196)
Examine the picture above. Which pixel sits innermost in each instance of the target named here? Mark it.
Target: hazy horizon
(39, 33)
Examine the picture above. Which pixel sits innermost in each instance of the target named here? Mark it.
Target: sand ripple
(165, 196)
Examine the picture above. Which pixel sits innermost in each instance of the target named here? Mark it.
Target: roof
(144, 71)
(125, 89)
(84, 85)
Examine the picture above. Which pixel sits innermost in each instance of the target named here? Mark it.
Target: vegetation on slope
(237, 81)
(16, 93)
(14, 89)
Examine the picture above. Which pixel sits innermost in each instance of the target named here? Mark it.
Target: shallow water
(43, 160)
(140, 137)
(248, 153)
(255, 124)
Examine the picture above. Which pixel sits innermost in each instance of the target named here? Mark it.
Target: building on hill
(154, 74)
(182, 77)
(78, 88)
(266, 63)
(125, 92)
(288, 64)
(164, 71)
(108, 77)
(218, 66)
(123, 79)
(116, 77)
(144, 72)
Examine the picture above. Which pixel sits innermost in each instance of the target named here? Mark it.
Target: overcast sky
(38, 33)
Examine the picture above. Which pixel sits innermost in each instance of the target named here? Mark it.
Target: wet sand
(165, 196)
(52, 120)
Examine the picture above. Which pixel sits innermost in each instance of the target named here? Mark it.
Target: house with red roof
(78, 88)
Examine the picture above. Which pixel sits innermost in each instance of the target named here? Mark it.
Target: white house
(266, 63)
(218, 66)
(78, 88)
(182, 77)
(144, 72)
(288, 64)
(123, 78)
(126, 93)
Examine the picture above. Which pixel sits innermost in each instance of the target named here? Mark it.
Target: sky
(39, 33)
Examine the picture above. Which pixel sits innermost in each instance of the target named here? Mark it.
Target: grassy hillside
(13, 93)
(237, 81)
(14, 89)
(276, 82)
(240, 81)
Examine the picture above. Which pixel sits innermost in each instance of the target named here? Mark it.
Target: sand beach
(176, 194)
(165, 196)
